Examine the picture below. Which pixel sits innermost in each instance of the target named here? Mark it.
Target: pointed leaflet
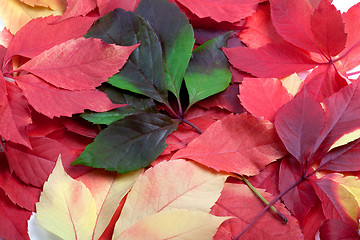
(299, 124)
(15, 116)
(56, 102)
(144, 71)
(107, 189)
(79, 64)
(271, 60)
(176, 36)
(337, 229)
(40, 35)
(328, 29)
(188, 186)
(229, 11)
(233, 145)
(208, 72)
(263, 105)
(75, 8)
(129, 144)
(105, 6)
(337, 201)
(66, 207)
(35, 231)
(239, 201)
(174, 224)
(53, 4)
(16, 14)
(291, 19)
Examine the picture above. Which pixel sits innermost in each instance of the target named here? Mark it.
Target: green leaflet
(144, 71)
(129, 144)
(176, 36)
(209, 71)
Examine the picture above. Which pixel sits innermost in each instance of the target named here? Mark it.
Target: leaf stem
(282, 216)
(267, 207)
(191, 124)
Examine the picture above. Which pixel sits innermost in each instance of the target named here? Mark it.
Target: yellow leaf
(59, 5)
(346, 138)
(352, 184)
(174, 224)
(66, 207)
(16, 14)
(108, 189)
(292, 83)
(177, 184)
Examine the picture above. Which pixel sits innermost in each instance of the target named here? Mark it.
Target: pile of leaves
(159, 119)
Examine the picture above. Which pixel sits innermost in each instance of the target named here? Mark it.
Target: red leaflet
(260, 29)
(337, 229)
(41, 34)
(271, 60)
(225, 10)
(231, 145)
(106, 6)
(239, 201)
(79, 64)
(15, 116)
(56, 102)
(328, 29)
(75, 8)
(13, 220)
(268, 179)
(273, 96)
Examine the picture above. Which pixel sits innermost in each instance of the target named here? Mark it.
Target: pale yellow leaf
(59, 5)
(177, 184)
(351, 183)
(346, 138)
(108, 189)
(292, 83)
(16, 14)
(176, 224)
(66, 207)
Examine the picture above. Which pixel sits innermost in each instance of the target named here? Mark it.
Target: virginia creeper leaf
(231, 145)
(53, 4)
(271, 60)
(129, 143)
(66, 207)
(176, 36)
(105, 6)
(144, 71)
(179, 224)
(40, 35)
(337, 229)
(328, 29)
(239, 201)
(208, 71)
(79, 64)
(186, 184)
(75, 8)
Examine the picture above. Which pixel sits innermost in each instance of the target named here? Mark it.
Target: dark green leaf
(144, 71)
(129, 144)
(176, 36)
(209, 71)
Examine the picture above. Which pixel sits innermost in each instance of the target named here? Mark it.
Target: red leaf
(271, 60)
(79, 64)
(299, 124)
(239, 201)
(56, 102)
(334, 229)
(260, 30)
(41, 34)
(15, 116)
(300, 199)
(19, 193)
(313, 221)
(105, 6)
(274, 95)
(328, 29)
(13, 220)
(232, 145)
(268, 179)
(75, 8)
(337, 201)
(229, 11)
(41, 160)
(324, 81)
(291, 19)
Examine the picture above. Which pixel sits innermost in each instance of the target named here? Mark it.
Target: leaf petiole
(263, 199)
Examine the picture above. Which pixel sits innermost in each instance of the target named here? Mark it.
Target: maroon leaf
(333, 229)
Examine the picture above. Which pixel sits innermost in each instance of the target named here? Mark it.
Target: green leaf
(129, 144)
(176, 36)
(209, 71)
(144, 71)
